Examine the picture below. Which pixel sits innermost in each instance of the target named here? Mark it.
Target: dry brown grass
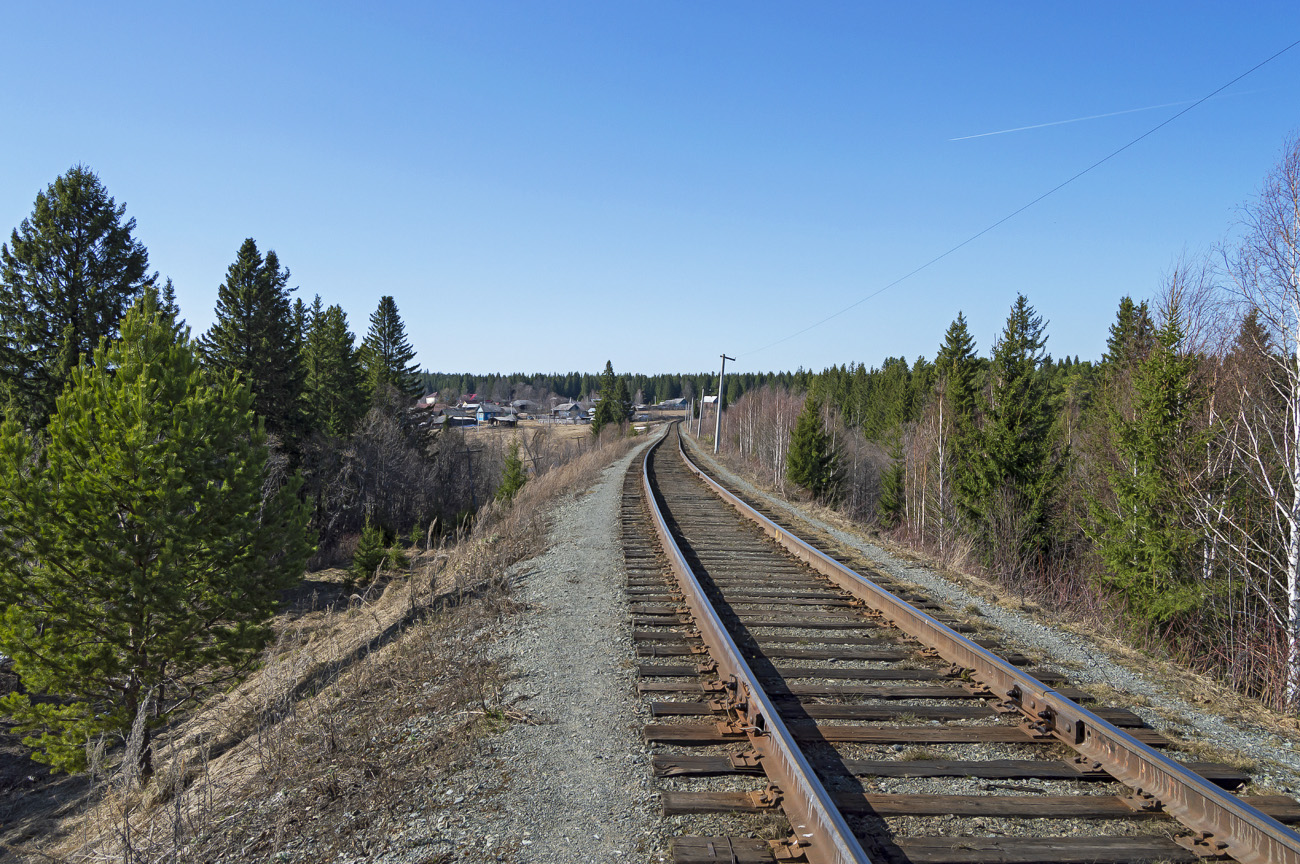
(355, 712)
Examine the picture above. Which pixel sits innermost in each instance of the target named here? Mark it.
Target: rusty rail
(1225, 824)
(820, 832)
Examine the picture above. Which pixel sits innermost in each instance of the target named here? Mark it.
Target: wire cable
(1014, 213)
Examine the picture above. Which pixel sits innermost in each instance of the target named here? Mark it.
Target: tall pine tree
(332, 369)
(67, 275)
(386, 354)
(255, 336)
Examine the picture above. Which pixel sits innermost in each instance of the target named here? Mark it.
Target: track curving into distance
(884, 727)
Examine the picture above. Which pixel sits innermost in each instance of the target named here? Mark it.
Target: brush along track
(926, 747)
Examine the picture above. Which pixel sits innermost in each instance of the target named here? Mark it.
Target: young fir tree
(811, 460)
(1145, 537)
(513, 477)
(1016, 471)
(139, 558)
(386, 354)
(371, 554)
(67, 275)
(254, 335)
(333, 378)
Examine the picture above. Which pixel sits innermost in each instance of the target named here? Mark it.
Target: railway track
(880, 726)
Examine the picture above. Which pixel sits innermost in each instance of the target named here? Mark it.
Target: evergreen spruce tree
(139, 559)
(167, 301)
(372, 552)
(735, 389)
(386, 355)
(890, 507)
(301, 316)
(1132, 335)
(1145, 537)
(332, 368)
(513, 477)
(1012, 480)
(254, 335)
(67, 275)
(610, 406)
(957, 365)
(622, 401)
(811, 461)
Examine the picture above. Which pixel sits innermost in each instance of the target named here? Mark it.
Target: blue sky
(544, 186)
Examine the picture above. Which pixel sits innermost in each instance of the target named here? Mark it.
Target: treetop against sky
(535, 184)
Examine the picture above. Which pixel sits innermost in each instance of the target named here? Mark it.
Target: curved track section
(755, 597)
(820, 832)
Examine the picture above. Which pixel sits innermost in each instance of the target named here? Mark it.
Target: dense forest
(645, 389)
(1159, 486)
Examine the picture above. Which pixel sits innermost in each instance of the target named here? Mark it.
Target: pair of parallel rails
(743, 598)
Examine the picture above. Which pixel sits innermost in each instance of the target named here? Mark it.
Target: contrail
(1074, 120)
(1014, 213)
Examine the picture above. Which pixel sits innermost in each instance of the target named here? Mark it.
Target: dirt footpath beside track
(570, 779)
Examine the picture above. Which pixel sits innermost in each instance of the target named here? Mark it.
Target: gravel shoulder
(1276, 757)
(572, 781)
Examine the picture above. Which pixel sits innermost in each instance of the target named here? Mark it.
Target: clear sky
(548, 185)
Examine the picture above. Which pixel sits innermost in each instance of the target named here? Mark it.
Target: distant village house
(567, 411)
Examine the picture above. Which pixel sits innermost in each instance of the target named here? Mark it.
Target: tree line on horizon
(542, 387)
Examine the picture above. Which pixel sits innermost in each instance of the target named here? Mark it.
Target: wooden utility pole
(717, 406)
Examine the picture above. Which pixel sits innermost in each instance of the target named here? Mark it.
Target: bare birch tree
(1265, 274)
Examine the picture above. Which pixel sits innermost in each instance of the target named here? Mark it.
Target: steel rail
(820, 829)
(1226, 824)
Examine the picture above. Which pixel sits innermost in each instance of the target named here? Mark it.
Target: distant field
(559, 431)
(562, 432)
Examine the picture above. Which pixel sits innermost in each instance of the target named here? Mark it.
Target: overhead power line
(1014, 213)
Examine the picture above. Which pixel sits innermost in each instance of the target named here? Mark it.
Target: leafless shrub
(397, 476)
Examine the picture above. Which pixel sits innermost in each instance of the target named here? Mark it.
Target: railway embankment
(467, 709)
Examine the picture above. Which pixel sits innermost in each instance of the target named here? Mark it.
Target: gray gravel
(1277, 759)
